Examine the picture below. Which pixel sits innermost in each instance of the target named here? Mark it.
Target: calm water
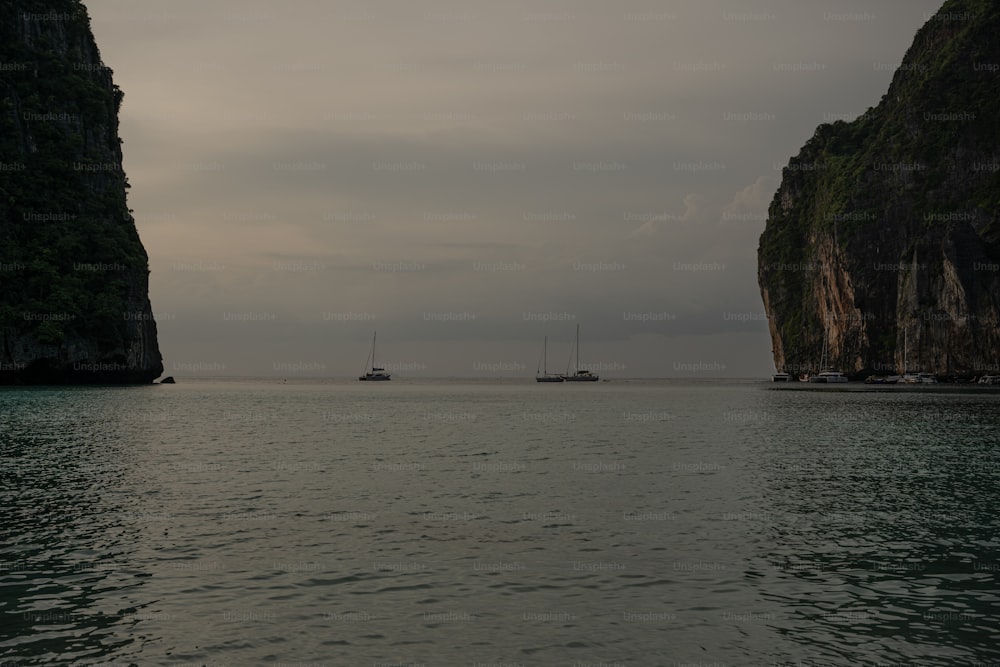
(475, 523)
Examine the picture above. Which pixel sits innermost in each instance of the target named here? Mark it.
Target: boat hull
(919, 378)
(828, 377)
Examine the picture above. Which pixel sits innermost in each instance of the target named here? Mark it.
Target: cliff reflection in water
(881, 528)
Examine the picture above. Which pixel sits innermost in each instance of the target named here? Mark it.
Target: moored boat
(578, 375)
(919, 378)
(827, 375)
(376, 374)
(831, 377)
(542, 373)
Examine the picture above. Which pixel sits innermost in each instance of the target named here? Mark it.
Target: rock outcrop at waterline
(884, 233)
(74, 305)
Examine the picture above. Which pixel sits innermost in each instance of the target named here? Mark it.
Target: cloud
(399, 159)
(750, 204)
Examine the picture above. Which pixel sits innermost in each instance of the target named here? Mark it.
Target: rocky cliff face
(74, 305)
(884, 233)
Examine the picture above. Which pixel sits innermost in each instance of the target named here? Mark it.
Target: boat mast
(370, 357)
(826, 344)
(576, 358)
(904, 350)
(569, 362)
(545, 359)
(574, 354)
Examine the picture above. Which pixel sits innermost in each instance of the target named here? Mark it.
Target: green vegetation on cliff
(890, 223)
(73, 272)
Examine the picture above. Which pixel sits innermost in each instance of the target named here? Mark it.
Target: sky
(468, 178)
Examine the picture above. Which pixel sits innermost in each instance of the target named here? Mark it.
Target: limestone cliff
(884, 233)
(74, 305)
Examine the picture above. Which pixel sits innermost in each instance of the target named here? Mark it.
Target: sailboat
(827, 375)
(578, 375)
(375, 374)
(910, 377)
(542, 373)
(896, 379)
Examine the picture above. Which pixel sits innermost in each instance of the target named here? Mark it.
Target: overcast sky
(468, 177)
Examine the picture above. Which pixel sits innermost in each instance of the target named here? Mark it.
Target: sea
(499, 523)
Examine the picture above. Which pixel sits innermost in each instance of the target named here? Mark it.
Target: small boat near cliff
(827, 375)
(910, 377)
(919, 378)
(882, 379)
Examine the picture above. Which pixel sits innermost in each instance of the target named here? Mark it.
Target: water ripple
(247, 523)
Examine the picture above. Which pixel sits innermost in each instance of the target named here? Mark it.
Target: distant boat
(911, 377)
(827, 375)
(907, 377)
(578, 375)
(781, 377)
(542, 373)
(882, 379)
(375, 374)
(919, 378)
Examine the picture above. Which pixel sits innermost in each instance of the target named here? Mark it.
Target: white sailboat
(827, 375)
(542, 373)
(910, 377)
(375, 374)
(830, 377)
(578, 374)
(907, 377)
